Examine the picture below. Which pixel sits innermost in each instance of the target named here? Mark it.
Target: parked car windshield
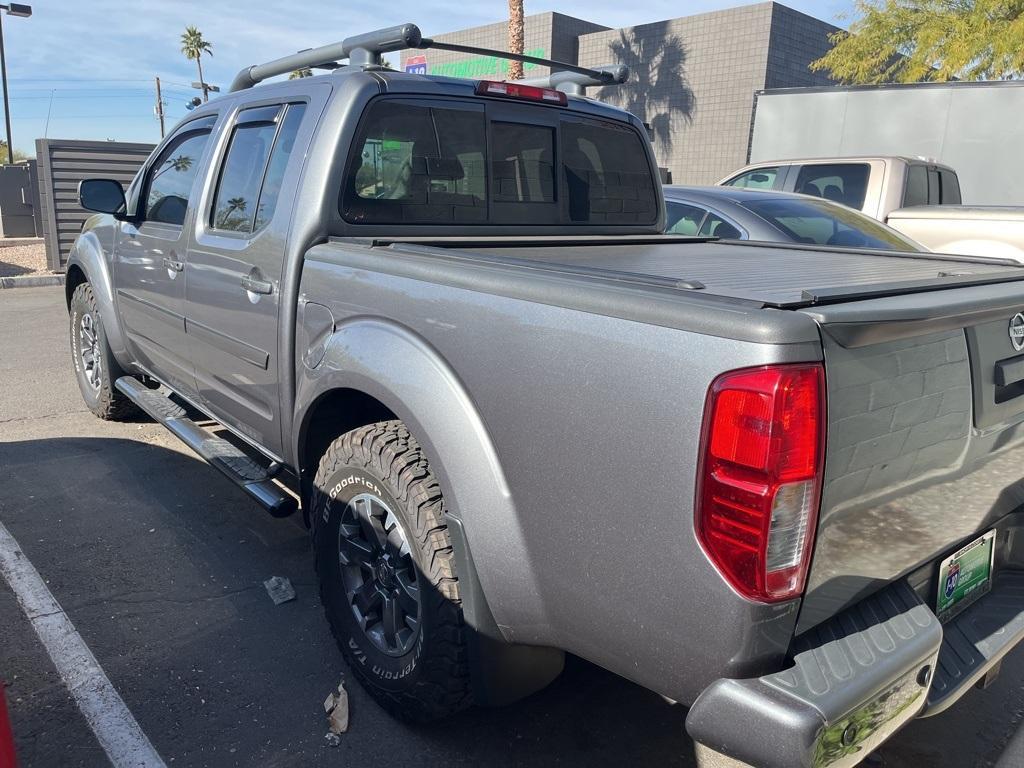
(819, 222)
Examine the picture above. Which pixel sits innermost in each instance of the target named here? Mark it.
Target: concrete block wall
(796, 41)
(694, 80)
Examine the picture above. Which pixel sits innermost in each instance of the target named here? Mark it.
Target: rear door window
(234, 202)
(715, 226)
(683, 219)
(759, 178)
(279, 157)
(250, 177)
(845, 183)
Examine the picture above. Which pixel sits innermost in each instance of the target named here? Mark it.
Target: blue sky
(84, 69)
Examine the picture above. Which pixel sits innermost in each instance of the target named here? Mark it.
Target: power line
(89, 80)
(80, 98)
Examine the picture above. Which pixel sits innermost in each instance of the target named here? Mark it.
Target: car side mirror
(102, 196)
(760, 178)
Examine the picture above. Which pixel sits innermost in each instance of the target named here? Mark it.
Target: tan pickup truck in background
(919, 198)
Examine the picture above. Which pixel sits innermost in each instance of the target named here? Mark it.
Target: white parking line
(108, 717)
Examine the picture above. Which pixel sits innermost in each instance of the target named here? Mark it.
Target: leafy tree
(194, 46)
(299, 73)
(19, 156)
(908, 41)
(515, 37)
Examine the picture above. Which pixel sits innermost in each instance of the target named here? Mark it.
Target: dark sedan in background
(733, 213)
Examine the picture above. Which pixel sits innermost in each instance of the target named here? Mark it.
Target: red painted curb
(7, 759)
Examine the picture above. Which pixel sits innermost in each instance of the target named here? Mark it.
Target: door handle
(177, 266)
(254, 285)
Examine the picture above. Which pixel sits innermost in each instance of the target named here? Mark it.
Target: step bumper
(859, 677)
(855, 681)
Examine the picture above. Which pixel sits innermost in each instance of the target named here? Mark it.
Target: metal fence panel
(62, 163)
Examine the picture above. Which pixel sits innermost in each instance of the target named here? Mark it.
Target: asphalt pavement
(159, 562)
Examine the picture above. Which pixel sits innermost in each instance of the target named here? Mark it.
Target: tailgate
(925, 447)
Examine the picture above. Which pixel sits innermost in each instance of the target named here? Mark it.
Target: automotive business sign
(416, 65)
(475, 67)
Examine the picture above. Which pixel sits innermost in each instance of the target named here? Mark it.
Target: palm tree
(234, 204)
(194, 46)
(515, 37)
(179, 163)
(659, 87)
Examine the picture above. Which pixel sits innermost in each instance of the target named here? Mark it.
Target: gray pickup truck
(780, 484)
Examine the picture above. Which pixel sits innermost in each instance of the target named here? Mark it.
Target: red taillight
(517, 91)
(760, 478)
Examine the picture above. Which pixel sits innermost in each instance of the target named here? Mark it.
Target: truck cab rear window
(419, 163)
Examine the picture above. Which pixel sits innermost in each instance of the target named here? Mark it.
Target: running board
(238, 467)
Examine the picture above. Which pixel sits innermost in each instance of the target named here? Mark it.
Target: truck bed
(773, 275)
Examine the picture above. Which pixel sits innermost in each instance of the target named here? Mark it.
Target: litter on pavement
(336, 707)
(279, 589)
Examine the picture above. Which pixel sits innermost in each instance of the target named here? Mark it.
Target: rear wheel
(387, 572)
(95, 367)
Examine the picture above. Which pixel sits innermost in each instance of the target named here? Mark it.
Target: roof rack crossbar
(360, 50)
(365, 50)
(574, 82)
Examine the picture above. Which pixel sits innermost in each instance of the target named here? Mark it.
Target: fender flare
(87, 254)
(402, 371)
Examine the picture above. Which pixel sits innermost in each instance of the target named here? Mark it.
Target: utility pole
(159, 108)
(14, 9)
(7, 109)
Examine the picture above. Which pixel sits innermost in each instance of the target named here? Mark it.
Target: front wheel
(387, 572)
(95, 367)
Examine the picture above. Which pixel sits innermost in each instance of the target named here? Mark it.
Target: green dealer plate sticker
(965, 576)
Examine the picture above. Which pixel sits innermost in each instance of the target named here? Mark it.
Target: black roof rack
(366, 51)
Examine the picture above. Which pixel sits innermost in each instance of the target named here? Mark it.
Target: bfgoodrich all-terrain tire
(387, 572)
(95, 367)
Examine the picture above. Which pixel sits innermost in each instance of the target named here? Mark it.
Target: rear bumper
(856, 679)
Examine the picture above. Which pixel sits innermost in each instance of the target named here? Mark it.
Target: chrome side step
(248, 474)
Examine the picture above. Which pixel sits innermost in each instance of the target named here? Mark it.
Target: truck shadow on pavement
(160, 564)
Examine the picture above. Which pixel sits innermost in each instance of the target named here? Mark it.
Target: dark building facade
(694, 77)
